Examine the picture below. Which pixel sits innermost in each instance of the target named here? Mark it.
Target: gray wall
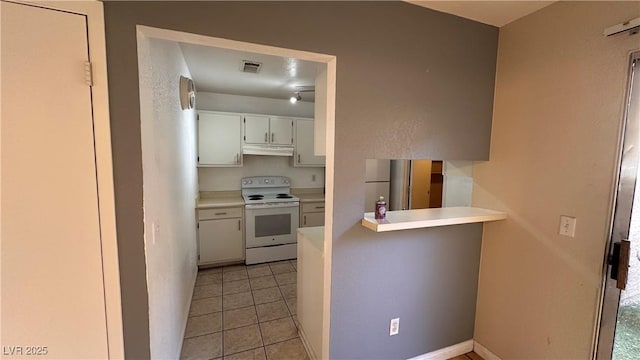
(412, 83)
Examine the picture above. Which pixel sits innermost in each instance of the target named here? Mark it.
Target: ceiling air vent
(252, 67)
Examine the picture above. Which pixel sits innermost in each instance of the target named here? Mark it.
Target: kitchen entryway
(181, 172)
(244, 312)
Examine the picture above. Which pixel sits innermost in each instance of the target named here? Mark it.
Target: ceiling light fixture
(300, 89)
(294, 99)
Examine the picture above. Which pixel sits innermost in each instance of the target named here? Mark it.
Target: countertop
(219, 199)
(309, 195)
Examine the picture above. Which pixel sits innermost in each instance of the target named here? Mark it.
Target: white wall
(250, 104)
(170, 187)
(227, 179)
(457, 187)
(559, 101)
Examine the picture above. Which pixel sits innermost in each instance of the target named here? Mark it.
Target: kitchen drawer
(313, 207)
(222, 213)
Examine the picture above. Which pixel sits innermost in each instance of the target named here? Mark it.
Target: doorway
(426, 184)
(157, 237)
(620, 317)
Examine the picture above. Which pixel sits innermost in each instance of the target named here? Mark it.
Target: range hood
(267, 150)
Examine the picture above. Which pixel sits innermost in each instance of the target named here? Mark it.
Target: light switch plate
(567, 226)
(394, 327)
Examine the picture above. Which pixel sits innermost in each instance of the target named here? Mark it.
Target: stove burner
(283, 196)
(256, 197)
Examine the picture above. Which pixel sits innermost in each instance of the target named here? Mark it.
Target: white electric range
(271, 219)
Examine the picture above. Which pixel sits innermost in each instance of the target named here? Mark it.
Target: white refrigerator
(377, 182)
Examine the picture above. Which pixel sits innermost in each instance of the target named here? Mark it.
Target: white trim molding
(448, 352)
(484, 352)
(306, 344)
(94, 12)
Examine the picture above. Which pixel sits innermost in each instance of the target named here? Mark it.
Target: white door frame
(93, 11)
(324, 128)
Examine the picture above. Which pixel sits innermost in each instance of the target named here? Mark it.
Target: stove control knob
(250, 182)
(266, 181)
(285, 181)
(244, 182)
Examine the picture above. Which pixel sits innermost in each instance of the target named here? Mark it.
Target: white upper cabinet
(268, 130)
(256, 129)
(219, 139)
(304, 155)
(281, 131)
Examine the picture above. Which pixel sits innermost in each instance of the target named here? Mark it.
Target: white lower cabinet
(312, 214)
(220, 236)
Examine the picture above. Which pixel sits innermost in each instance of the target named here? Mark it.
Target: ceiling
(219, 70)
(496, 13)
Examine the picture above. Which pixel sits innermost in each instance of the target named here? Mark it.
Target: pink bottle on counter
(381, 209)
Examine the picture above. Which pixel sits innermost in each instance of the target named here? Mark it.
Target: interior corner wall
(170, 189)
(402, 71)
(559, 102)
(457, 187)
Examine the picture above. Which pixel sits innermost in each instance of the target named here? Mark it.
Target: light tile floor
(244, 312)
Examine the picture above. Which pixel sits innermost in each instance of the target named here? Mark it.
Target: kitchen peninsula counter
(310, 284)
(423, 218)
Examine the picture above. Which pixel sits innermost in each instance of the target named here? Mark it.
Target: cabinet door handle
(237, 158)
(319, 207)
(239, 225)
(221, 213)
(266, 137)
(272, 136)
(298, 158)
(305, 220)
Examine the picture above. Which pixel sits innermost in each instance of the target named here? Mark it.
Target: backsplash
(228, 179)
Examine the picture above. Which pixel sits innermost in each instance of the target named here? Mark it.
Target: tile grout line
(285, 300)
(222, 316)
(255, 309)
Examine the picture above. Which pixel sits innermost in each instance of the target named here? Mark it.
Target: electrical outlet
(567, 226)
(394, 327)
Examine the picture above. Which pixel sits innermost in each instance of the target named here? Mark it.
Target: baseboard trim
(448, 352)
(305, 343)
(484, 352)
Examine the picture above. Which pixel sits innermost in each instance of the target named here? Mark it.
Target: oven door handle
(272, 205)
